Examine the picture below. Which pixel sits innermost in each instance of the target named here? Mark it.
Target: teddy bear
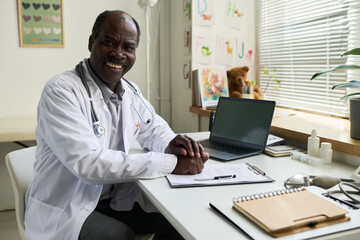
(237, 80)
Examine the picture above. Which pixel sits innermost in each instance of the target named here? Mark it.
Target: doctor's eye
(108, 43)
(130, 48)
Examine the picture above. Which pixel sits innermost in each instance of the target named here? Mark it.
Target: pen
(256, 170)
(261, 172)
(216, 178)
(137, 129)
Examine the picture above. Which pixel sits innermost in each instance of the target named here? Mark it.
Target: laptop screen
(242, 122)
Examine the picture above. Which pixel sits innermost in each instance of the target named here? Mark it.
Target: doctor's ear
(91, 42)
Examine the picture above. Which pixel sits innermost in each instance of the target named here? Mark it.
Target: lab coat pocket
(42, 216)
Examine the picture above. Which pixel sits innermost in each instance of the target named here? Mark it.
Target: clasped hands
(191, 155)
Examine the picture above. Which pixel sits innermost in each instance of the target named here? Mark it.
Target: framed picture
(41, 23)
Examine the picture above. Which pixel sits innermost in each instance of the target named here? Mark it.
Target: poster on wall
(245, 52)
(187, 40)
(203, 48)
(237, 13)
(187, 73)
(187, 9)
(225, 50)
(41, 23)
(204, 12)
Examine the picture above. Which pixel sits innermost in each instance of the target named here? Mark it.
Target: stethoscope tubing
(98, 129)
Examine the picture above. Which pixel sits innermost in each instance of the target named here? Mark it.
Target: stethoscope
(327, 182)
(97, 127)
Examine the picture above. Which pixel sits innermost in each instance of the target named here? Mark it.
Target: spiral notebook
(289, 211)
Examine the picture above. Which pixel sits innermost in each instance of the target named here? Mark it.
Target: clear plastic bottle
(313, 144)
(326, 152)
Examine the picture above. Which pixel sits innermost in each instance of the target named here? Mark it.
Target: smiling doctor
(84, 184)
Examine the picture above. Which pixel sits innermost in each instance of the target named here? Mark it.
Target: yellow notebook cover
(289, 211)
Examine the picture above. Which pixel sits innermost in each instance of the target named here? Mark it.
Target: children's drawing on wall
(237, 13)
(187, 73)
(245, 52)
(213, 82)
(187, 9)
(203, 48)
(225, 50)
(204, 14)
(187, 40)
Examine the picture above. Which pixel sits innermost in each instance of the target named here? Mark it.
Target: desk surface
(188, 208)
(17, 129)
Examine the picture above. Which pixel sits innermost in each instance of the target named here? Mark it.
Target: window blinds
(298, 38)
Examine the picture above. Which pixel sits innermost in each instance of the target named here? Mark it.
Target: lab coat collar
(106, 92)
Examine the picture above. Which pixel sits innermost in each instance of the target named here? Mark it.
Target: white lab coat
(72, 163)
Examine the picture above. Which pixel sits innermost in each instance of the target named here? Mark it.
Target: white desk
(187, 209)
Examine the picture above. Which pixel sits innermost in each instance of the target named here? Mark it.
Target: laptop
(240, 128)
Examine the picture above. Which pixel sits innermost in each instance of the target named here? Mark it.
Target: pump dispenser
(313, 144)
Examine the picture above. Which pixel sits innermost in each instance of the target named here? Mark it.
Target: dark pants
(105, 223)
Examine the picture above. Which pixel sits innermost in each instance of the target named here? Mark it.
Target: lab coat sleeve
(64, 123)
(157, 136)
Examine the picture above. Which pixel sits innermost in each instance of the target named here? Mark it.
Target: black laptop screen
(244, 120)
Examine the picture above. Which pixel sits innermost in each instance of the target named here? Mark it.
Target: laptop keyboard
(224, 147)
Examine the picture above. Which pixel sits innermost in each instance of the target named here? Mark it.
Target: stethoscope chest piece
(98, 129)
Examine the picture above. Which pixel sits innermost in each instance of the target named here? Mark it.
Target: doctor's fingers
(205, 158)
(204, 155)
(200, 165)
(193, 148)
(175, 146)
(181, 145)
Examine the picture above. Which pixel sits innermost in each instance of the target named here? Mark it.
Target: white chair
(20, 166)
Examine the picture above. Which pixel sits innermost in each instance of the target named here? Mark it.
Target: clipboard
(245, 173)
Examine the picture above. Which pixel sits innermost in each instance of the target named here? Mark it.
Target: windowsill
(297, 125)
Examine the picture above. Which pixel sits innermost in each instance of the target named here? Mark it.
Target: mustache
(116, 61)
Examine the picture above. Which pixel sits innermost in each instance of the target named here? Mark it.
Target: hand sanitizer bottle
(313, 144)
(325, 152)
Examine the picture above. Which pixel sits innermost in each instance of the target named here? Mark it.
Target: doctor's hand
(185, 146)
(189, 165)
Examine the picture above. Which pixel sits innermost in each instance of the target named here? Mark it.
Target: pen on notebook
(216, 178)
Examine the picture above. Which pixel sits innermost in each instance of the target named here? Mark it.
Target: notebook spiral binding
(267, 194)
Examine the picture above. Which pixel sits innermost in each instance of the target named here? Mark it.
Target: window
(300, 37)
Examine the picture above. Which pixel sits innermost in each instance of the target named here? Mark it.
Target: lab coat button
(88, 207)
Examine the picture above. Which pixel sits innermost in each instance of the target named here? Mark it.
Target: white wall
(25, 70)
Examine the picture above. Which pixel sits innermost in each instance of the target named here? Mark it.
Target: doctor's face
(113, 50)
